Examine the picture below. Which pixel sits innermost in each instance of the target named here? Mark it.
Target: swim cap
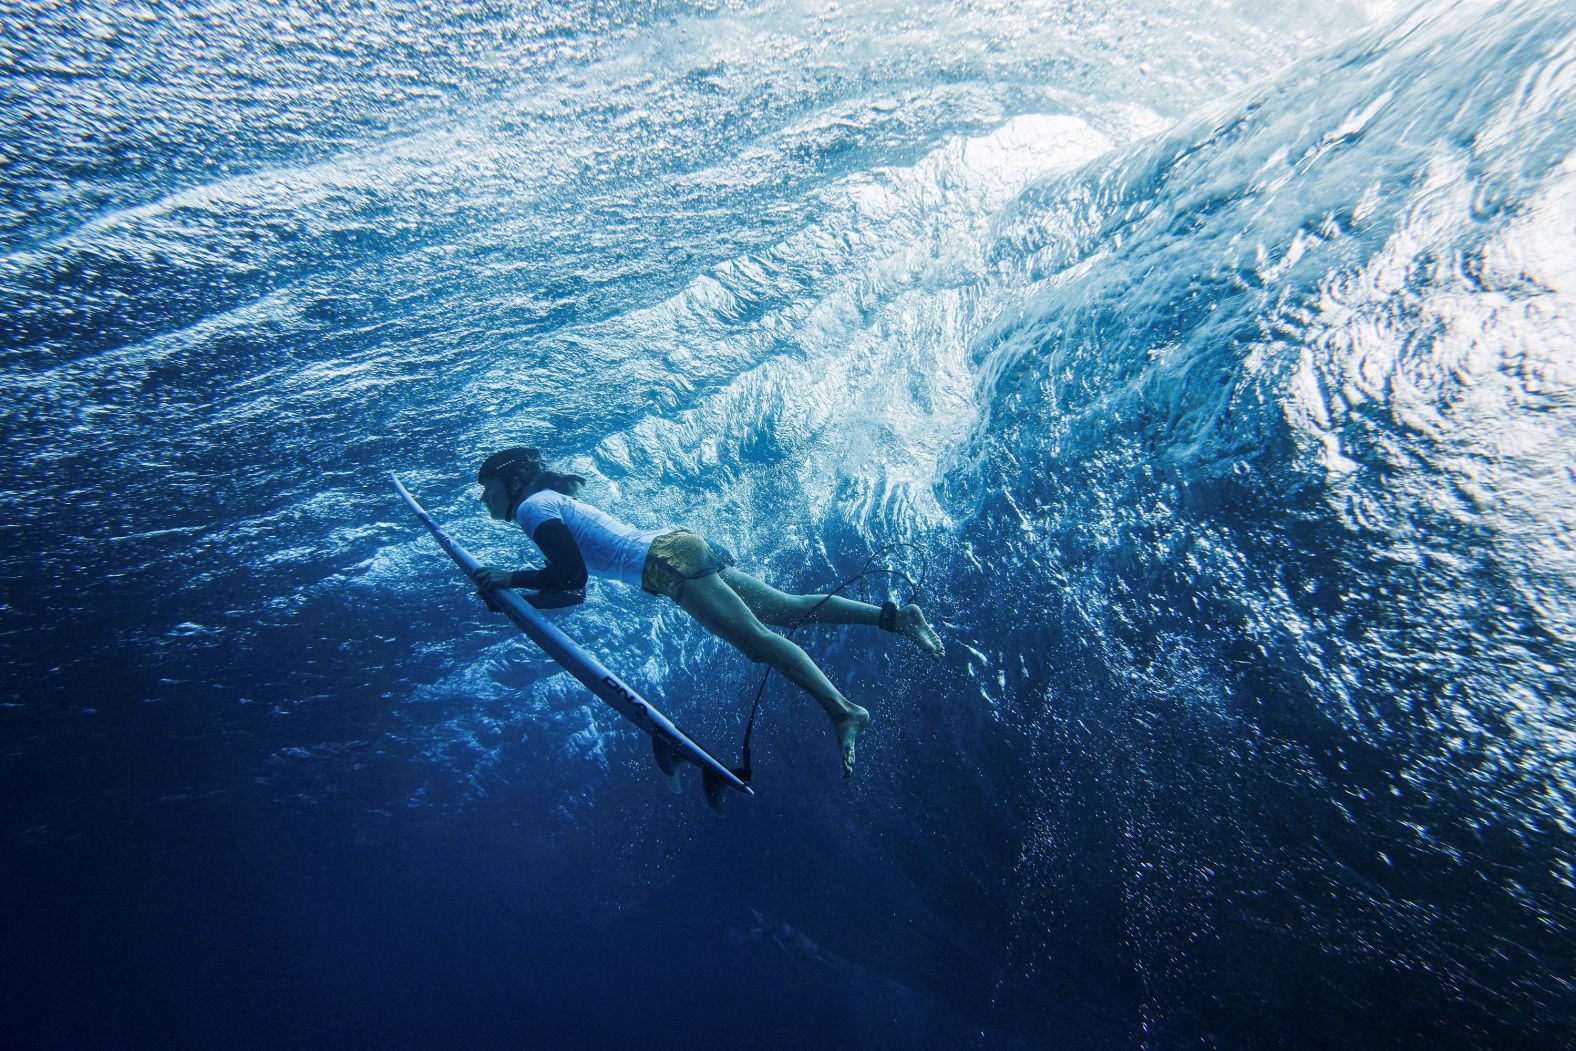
(510, 463)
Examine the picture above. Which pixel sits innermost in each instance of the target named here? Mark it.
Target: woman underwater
(518, 486)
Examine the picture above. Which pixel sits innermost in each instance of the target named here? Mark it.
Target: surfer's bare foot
(912, 624)
(848, 727)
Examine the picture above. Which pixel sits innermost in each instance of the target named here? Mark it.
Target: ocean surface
(1216, 362)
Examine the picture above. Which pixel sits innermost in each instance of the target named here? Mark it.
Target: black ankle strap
(888, 621)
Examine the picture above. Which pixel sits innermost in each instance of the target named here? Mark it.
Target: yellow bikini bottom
(678, 557)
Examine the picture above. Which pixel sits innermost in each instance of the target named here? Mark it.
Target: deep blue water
(1221, 363)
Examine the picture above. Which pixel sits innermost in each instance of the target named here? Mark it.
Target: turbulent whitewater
(1219, 365)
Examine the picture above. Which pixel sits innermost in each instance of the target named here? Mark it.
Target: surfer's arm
(561, 582)
(565, 569)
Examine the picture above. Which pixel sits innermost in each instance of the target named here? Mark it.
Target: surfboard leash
(916, 588)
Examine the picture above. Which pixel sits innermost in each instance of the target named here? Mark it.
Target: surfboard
(669, 744)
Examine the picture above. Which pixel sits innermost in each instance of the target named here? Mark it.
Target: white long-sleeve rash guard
(578, 538)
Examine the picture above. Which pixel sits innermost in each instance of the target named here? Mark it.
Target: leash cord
(866, 570)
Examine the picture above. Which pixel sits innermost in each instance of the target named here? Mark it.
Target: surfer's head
(509, 465)
(511, 475)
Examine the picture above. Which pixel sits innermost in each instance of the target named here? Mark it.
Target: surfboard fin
(668, 763)
(714, 785)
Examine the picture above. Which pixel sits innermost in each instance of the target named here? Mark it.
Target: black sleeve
(565, 569)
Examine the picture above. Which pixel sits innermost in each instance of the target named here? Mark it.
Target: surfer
(578, 539)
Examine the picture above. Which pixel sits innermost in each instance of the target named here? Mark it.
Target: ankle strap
(888, 621)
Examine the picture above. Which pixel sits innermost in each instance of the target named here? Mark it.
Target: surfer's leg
(789, 611)
(721, 611)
